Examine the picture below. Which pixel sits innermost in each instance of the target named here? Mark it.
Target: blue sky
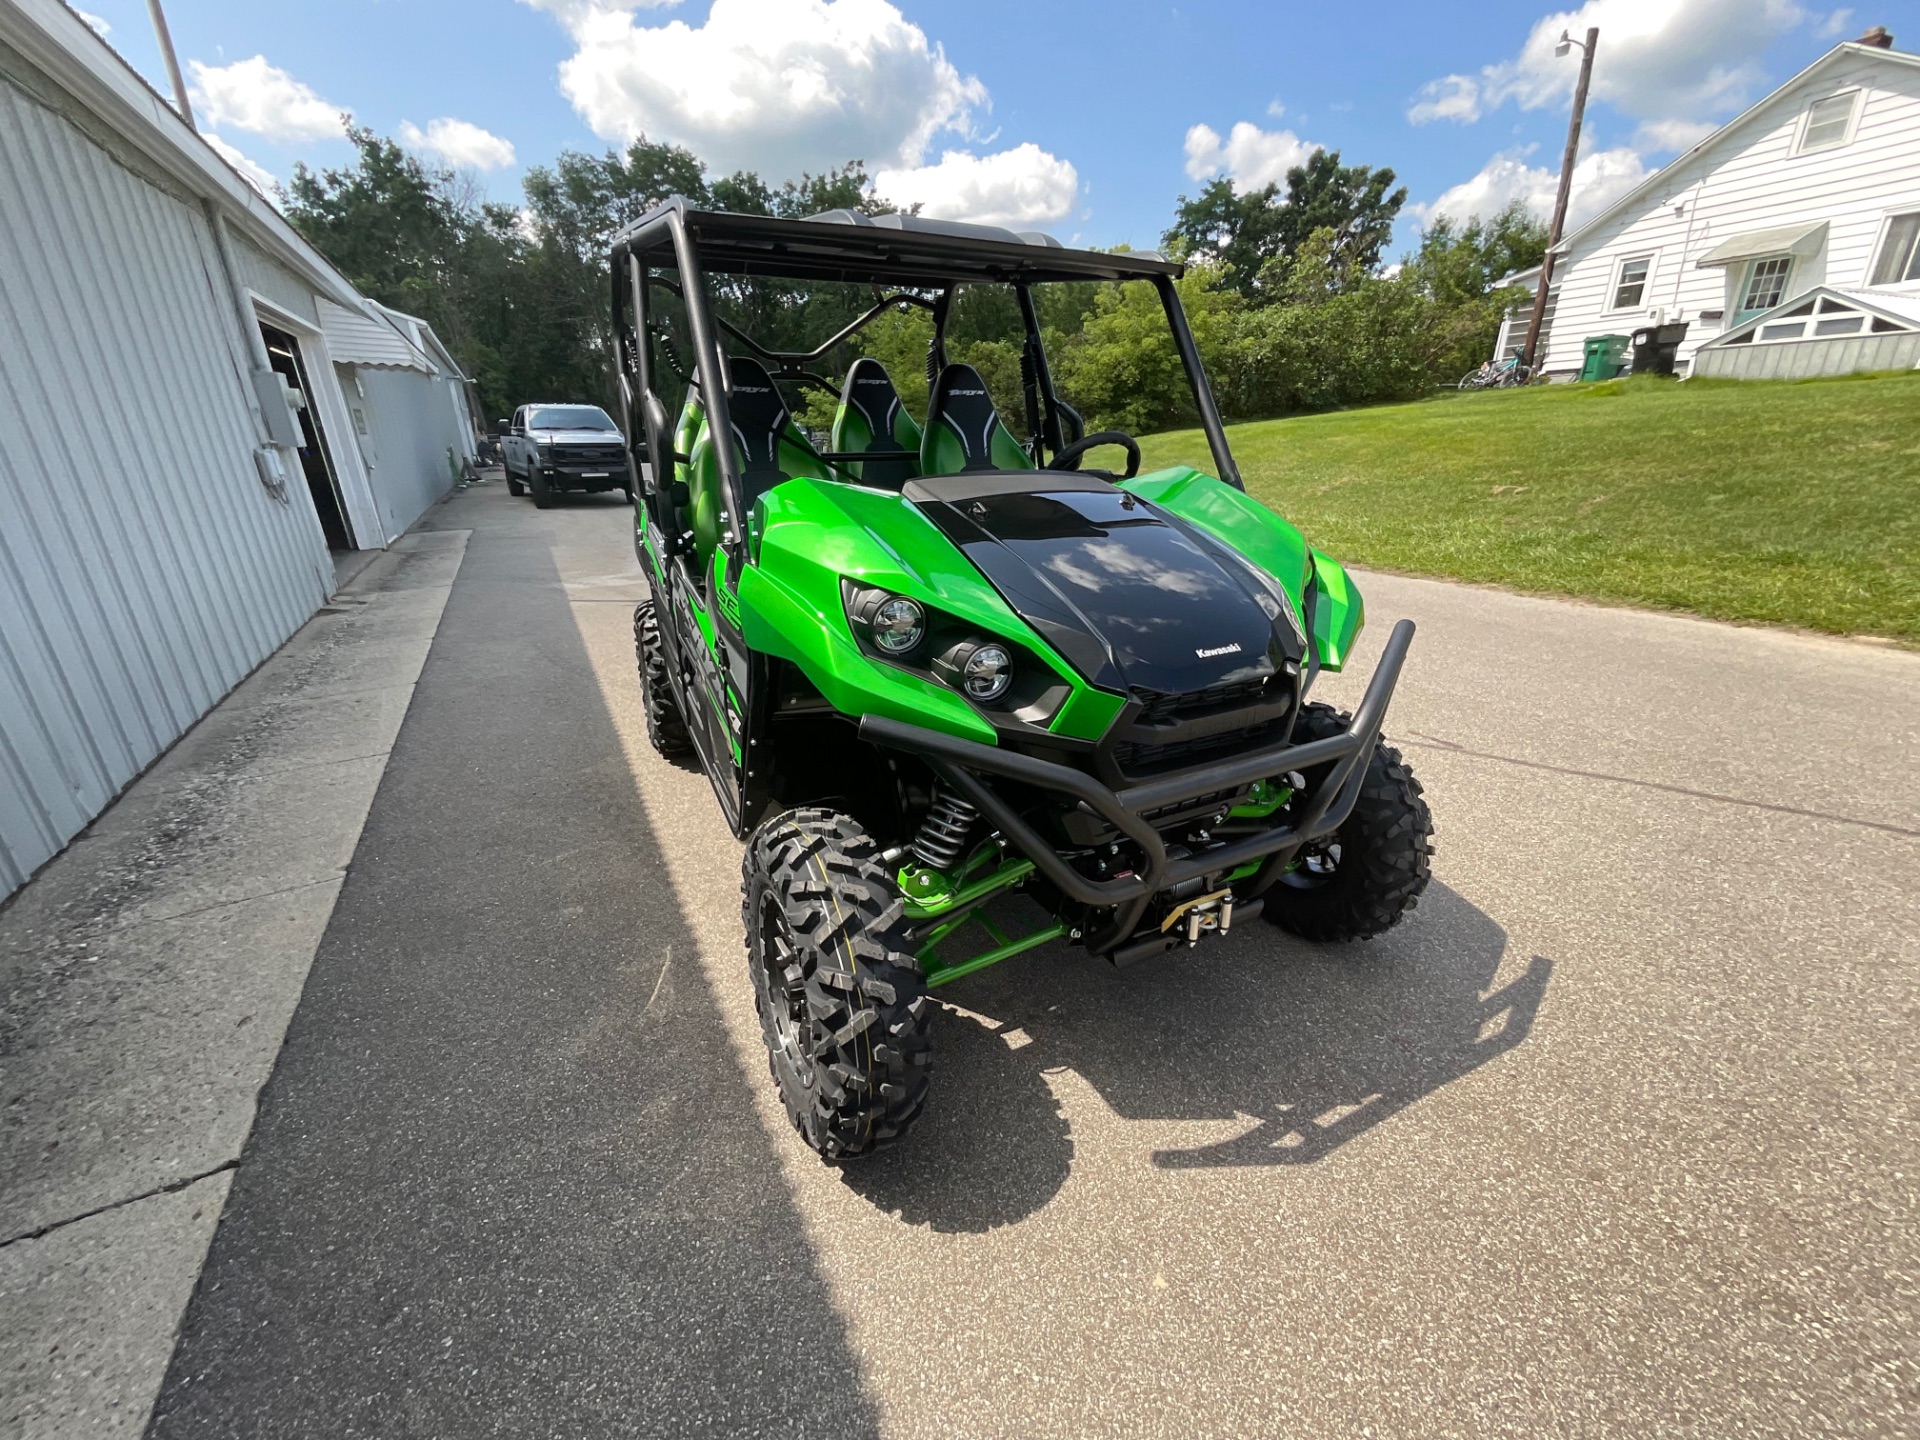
(1085, 119)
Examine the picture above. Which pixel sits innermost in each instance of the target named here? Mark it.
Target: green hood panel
(1236, 519)
(809, 534)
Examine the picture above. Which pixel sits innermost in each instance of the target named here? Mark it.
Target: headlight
(982, 670)
(987, 673)
(898, 625)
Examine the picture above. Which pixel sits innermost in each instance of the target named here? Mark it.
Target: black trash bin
(1655, 347)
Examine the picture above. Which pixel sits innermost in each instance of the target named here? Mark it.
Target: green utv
(928, 662)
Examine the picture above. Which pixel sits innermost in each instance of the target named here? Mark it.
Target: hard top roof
(907, 250)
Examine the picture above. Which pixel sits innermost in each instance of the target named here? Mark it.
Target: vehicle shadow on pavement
(507, 1178)
(1315, 1045)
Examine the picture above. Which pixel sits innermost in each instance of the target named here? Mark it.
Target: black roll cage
(905, 253)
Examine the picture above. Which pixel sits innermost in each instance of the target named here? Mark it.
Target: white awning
(356, 338)
(1802, 239)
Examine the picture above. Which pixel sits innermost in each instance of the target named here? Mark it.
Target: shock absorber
(943, 834)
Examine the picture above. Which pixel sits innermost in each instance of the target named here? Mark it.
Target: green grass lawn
(1794, 503)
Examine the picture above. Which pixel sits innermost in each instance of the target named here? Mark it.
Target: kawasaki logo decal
(1218, 650)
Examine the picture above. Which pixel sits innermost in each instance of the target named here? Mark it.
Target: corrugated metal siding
(411, 425)
(1801, 359)
(1754, 183)
(274, 280)
(143, 569)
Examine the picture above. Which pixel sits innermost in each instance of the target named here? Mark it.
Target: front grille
(589, 454)
(1141, 759)
(1159, 708)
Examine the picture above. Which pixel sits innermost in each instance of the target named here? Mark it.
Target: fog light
(987, 673)
(898, 625)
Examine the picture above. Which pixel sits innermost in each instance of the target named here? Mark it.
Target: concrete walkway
(1614, 1137)
(149, 974)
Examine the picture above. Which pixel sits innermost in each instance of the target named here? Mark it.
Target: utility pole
(173, 62)
(1566, 185)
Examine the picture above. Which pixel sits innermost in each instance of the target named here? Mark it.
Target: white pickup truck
(550, 449)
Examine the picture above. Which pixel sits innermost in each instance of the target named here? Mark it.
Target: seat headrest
(961, 406)
(870, 422)
(759, 414)
(870, 391)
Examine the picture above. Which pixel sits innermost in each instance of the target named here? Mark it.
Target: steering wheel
(1069, 456)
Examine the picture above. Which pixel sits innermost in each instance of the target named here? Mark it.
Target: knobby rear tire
(843, 1008)
(1385, 851)
(666, 727)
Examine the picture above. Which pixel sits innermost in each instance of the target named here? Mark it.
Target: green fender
(1236, 519)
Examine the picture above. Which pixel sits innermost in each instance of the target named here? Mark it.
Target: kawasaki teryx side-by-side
(926, 662)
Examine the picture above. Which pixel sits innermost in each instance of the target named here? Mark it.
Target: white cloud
(1252, 156)
(101, 28)
(1656, 135)
(1832, 28)
(1657, 60)
(1276, 111)
(1452, 97)
(256, 175)
(1598, 180)
(575, 12)
(458, 142)
(778, 86)
(253, 95)
(1021, 186)
(1662, 59)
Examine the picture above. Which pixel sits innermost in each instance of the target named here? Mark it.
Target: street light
(1567, 42)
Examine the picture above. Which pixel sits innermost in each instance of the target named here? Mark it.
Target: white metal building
(1816, 188)
(176, 464)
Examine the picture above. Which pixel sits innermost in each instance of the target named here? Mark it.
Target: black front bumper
(604, 477)
(965, 763)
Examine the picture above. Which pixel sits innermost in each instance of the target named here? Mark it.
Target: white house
(1787, 242)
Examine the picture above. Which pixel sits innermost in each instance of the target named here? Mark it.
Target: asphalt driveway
(1615, 1136)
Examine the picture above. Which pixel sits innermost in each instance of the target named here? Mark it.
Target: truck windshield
(569, 417)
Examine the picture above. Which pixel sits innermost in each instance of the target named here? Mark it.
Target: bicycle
(1496, 375)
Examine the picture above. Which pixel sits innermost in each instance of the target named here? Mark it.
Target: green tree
(1235, 231)
(1461, 263)
(389, 224)
(1356, 204)
(1255, 234)
(1122, 371)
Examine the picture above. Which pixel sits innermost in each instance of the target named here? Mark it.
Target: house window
(1766, 283)
(1899, 252)
(1632, 284)
(1827, 122)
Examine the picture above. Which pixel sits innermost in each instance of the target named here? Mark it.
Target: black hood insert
(1137, 601)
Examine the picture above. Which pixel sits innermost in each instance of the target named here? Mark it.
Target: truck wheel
(514, 487)
(543, 496)
(666, 728)
(844, 1011)
(1361, 879)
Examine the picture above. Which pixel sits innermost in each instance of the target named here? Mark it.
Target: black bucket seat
(964, 429)
(872, 421)
(770, 446)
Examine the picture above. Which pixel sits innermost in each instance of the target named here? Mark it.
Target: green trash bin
(1606, 356)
